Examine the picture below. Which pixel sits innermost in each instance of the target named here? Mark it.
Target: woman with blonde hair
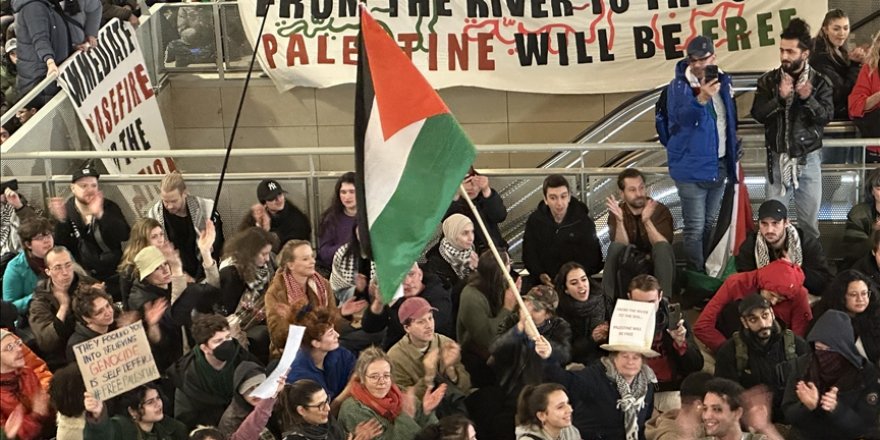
(864, 100)
(145, 232)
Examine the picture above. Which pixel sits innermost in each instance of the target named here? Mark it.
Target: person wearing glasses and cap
(702, 147)
(276, 214)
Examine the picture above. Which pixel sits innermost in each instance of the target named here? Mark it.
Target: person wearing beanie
(560, 230)
(794, 102)
(424, 358)
(20, 390)
(776, 238)
(780, 283)
(832, 392)
(760, 350)
(513, 356)
(701, 145)
(92, 227)
(246, 416)
(453, 258)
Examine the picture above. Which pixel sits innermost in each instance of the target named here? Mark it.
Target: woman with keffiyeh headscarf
(453, 259)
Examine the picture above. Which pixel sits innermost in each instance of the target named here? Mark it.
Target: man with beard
(762, 352)
(702, 148)
(184, 217)
(778, 238)
(643, 223)
(794, 102)
(92, 228)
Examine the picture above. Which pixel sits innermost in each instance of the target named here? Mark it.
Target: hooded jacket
(241, 420)
(692, 149)
(804, 124)
(44, 34)
(779, 276)
(816, 272)
(857, 405)
(548, 245)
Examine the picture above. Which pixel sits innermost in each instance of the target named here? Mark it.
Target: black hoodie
(548, 245)
(857, 403)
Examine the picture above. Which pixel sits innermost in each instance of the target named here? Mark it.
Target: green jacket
(124, 428)
(402, 428)
(477, 328)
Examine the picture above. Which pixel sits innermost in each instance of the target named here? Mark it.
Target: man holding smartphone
(702, 149)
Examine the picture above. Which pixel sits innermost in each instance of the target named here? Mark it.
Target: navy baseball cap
(700, 47)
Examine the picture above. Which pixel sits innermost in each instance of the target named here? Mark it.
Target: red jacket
(779, 276)
(867, 85)
(18, 388)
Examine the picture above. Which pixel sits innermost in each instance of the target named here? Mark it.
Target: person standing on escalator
(702, 147)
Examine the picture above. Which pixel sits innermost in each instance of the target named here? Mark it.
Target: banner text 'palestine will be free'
(540, 46)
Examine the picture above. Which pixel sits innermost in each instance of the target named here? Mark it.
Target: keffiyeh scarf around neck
(793, 248)
(790, 167)
(457, 258)
(8, 223)
(632, 396)
(297, 292)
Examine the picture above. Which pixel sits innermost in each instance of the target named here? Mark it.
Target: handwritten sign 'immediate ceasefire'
(116, 362)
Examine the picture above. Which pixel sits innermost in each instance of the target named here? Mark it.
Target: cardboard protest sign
(632, 324)
(116, 362)
(294, 337)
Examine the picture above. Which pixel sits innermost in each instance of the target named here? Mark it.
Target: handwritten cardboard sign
(632, 324)
(116, 361)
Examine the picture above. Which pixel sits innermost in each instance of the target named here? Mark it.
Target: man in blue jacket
(702, 149)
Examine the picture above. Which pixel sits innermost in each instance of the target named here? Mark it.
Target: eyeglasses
(41, 237)
(12, 345)
(61, 267)
(323, 404)
(377, 378)
(151, 402)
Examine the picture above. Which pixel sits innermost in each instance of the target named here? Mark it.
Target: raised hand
(786, 85)
(450, 354)
(154, 310)
(807, 394)
(367, 430)
(352, 306)
(429, 362)
(648, 210)
(829, 400)
(614, 208)
(14, 422)
(13, 198)
(40, 403)
(804, 89)
(600, 332)
(92, 405)
(543, 348)
(96, 204)
(408, 402)
(433, 398)
(206, 237)
(57, 208)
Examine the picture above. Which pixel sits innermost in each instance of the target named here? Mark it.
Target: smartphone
(711, 73)
(674, 316)
(11, 184)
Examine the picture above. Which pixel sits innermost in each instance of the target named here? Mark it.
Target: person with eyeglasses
(374, 395)
(142, 417)
(22, 398)
(23, 271)
(303, 409)
(853, 293)
(50, 317)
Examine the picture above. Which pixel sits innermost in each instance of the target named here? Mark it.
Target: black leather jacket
(806, 116)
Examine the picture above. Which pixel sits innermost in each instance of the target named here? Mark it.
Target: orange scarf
(388, 407)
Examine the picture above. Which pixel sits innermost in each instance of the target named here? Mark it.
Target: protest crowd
(594, 348)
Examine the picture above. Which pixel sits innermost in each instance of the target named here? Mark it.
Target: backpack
(631, 263)
(661, 116)
(742, 352)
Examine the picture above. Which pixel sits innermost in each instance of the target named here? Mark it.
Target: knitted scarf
(792, 241)
(8, 223)
(459, 259)
(632, 396)
(591, 311)
(388, 407)
(790, 167)
(296, 292)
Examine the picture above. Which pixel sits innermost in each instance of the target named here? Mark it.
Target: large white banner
(541, 46)
(114, 98)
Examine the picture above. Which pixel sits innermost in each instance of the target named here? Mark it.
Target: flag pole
(530, 328)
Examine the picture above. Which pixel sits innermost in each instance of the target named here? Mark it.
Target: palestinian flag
(410, 156)
(734, 223)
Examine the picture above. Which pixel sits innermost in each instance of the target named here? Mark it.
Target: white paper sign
(632, 323)
(294, 339)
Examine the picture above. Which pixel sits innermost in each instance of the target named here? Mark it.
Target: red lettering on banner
(484, 48)
(409, 40)
(296, 48)
(122, 99)
(322, 51)
(270, 45)
(349, 50)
